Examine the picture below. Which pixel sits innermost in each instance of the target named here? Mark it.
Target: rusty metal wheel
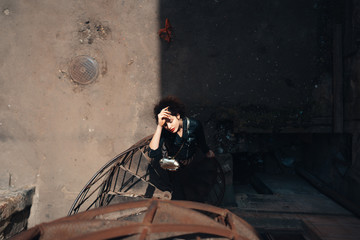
(147, 219)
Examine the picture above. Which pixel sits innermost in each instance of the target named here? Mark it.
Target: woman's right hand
(163, 115)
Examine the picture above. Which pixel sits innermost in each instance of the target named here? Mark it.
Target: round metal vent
(83, 69)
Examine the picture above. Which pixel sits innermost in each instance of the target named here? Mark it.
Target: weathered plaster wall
(261, 55)
(53, 133)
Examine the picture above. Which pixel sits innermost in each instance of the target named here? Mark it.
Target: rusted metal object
(147, 219)
(83, 69)
(130, 176)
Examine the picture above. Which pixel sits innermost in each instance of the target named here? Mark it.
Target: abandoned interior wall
(55, 134)
(334, 161)
(257, 62)
(265, 65)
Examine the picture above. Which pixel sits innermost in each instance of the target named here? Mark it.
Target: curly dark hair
(174, 104)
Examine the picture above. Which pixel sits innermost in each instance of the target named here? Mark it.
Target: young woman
(182, 138)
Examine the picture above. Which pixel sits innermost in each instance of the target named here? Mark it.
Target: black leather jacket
(193, 138)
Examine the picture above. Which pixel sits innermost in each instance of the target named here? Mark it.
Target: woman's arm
(154, 143)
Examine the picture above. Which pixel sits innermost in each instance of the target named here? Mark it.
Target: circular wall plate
(83, 69)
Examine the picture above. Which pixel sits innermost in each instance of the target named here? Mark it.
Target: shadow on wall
(260, 65)
(262, 53)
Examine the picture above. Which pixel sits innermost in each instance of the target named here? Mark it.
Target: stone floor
(294, 209)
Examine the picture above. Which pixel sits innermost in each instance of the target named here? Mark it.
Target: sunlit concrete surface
(55, 134)
(240, 66)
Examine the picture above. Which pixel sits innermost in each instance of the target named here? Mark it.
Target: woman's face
(172, 124)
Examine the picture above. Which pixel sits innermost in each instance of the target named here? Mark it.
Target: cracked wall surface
(54, 133)
(263, 65)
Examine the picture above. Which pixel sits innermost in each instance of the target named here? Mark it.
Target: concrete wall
(55, 134)
(264, 64)
(257, 52)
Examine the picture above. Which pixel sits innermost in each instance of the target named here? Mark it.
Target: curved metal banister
(108, 164)
(118, 176)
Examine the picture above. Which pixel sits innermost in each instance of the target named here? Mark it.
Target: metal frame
(104, 180)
